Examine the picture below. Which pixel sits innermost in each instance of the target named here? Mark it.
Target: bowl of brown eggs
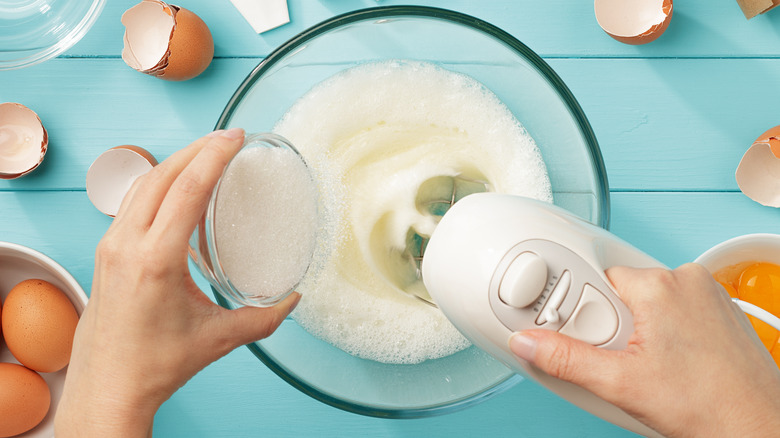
(40, 305)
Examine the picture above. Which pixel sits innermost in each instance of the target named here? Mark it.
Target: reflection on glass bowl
(32, 31)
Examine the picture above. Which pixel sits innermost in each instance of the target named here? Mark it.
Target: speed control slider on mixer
(550, 311)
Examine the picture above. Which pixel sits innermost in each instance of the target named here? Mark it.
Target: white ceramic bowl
(742, 249)
(18, 263)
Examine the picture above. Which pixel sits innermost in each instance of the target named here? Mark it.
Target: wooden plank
(674, 124)
(91, 105)
(662, 124)
(678, 227)
(559, 28)
(673, 227)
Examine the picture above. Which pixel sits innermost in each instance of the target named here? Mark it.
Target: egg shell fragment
(111, 175)
(24, 399)
(758, 173)
(634, 21)
(23, 140)
(166, 41)
(39, 323)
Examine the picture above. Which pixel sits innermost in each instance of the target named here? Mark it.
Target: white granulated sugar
(373, 135)
(266, 220)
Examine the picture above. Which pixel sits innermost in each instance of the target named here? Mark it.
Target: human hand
(693, 367)
(147, 328)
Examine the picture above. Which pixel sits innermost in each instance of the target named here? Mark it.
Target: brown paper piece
(751, 8)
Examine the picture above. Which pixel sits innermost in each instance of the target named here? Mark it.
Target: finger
(250, 324)
(128, 197)
(567, 358)
(189, 194)
(623, 280)
(141, 203)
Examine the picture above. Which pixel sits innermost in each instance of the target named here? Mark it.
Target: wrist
(80, 415)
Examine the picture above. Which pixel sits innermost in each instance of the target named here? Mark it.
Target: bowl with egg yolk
(748, 267)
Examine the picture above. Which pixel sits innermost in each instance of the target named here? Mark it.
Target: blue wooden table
(673, 119)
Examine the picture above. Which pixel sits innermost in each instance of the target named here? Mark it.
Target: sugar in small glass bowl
(255, 241)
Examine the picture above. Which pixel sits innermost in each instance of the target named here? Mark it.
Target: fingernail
(215, 133)
(233, 133)
(523, 346)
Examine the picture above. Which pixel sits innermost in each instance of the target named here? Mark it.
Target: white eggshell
(758, 175)
(23, 140)
(110, 176)
(633, 21)
(148, 32)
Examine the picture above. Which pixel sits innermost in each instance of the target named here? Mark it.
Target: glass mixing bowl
(531, 90)
(32, 31)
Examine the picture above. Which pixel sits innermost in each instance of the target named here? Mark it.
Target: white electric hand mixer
(497, 264)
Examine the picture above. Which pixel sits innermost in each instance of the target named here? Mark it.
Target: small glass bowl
(204, 248)
(32, 31)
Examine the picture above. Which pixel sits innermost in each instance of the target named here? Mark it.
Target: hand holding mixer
(498, 264)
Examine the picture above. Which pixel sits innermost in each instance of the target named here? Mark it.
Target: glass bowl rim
(74, 36)
(425, 12)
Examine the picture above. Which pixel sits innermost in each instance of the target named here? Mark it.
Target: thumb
(250, 324)
(565, 358)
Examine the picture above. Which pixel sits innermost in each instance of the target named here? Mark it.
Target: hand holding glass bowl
(145, 311)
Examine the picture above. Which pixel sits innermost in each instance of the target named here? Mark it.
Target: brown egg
(24, 399)
(39, 322)
(166, 41)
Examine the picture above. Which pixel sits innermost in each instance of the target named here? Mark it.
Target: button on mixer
(523, 281)
(594, 320)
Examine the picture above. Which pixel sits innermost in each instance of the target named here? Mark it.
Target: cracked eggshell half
(758, 173)
(110, 176)
(23, 140)
(166, 41)
(634, 21)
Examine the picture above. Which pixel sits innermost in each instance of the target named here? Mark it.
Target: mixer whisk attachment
(434, 198)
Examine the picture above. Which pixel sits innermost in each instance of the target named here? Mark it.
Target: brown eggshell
(39, 323)
(191, 48)
(24, 399)
(112, 173)
(166, 41)
(23, 140)
(758, 173)
(634, 21)
(772, 138)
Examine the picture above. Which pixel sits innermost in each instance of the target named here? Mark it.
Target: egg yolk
(759, 284)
